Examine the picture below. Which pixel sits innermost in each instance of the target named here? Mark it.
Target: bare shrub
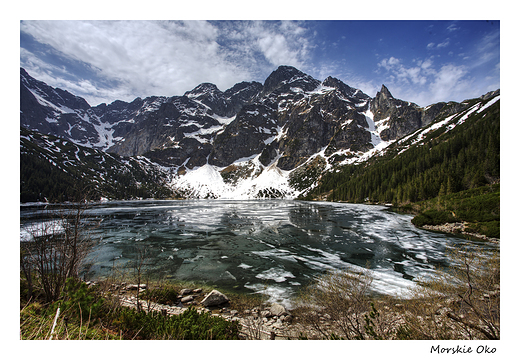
(338, 304)
(253, 329)
(57, 251)
(462, 302)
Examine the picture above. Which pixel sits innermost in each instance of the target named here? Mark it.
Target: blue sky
(419, 61)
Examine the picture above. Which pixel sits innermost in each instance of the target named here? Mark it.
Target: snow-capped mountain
(252, 140)
(55, 169)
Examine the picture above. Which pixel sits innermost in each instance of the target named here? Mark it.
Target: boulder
(187, 299)
(278, 310)
(266, 314)
(136, 286)
(214, 298)
(185, 292)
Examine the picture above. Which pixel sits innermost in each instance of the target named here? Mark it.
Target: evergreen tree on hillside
(464, 158)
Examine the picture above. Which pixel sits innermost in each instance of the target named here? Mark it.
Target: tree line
(464, 158)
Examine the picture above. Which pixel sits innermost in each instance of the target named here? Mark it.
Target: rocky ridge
(290, 117)
(290, 129)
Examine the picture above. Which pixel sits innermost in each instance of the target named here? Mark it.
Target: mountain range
(253, 140)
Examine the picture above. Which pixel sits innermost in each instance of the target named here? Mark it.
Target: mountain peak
(344, 88)
(286, 69)
(288, 74)
(385, 92)
(202, 89)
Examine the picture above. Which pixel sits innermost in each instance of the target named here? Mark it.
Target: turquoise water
(270, 246)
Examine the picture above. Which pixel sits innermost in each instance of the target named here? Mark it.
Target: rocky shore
(458, 228)
(266, 322)
(275, 322)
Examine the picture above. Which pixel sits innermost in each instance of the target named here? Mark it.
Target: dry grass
(462, 302)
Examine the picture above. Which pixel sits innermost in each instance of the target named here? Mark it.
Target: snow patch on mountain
(272, 178)
(449, 123)
(321, 89)
(207, 182)
(223, 120)
(202, 132)
(375, 128)
(56, 109)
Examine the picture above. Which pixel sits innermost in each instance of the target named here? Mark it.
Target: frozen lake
(268, 246)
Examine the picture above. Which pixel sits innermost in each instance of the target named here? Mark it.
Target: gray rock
(214, 298)
(278, 310)
(135, 287)
(185, 292)
(187, 299)
(266, 313)
(288, 318)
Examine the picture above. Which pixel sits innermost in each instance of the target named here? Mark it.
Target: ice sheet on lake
(273, 247)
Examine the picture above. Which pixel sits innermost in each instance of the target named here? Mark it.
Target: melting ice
(273, 247)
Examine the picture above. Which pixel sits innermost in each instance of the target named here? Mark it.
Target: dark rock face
(247, 135)
(51, 95)
(189, 153)
(226, 103)
(329, 119)
(402, 117)
(431, 112)
(289, 118)
(241, 94)
(209, 95)
(55, 112)
(285, 77)
(383, 103)
(356, 97)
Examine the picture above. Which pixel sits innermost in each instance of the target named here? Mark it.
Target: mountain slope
(56, 170)
(457, 151)
(285, 138)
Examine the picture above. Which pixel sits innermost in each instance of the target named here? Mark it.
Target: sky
(420, 61)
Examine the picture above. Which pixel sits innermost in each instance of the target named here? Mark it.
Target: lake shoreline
(459, 229)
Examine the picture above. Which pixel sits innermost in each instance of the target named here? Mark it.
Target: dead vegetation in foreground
(461, 302)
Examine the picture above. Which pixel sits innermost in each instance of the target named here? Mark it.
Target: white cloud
(425, 84)
(169, 58)
(389, 63)
(280, 43)
(452, 27)
(413, 75)
(450, 81)
(426, 64)
(274, 47)
(441, 45)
